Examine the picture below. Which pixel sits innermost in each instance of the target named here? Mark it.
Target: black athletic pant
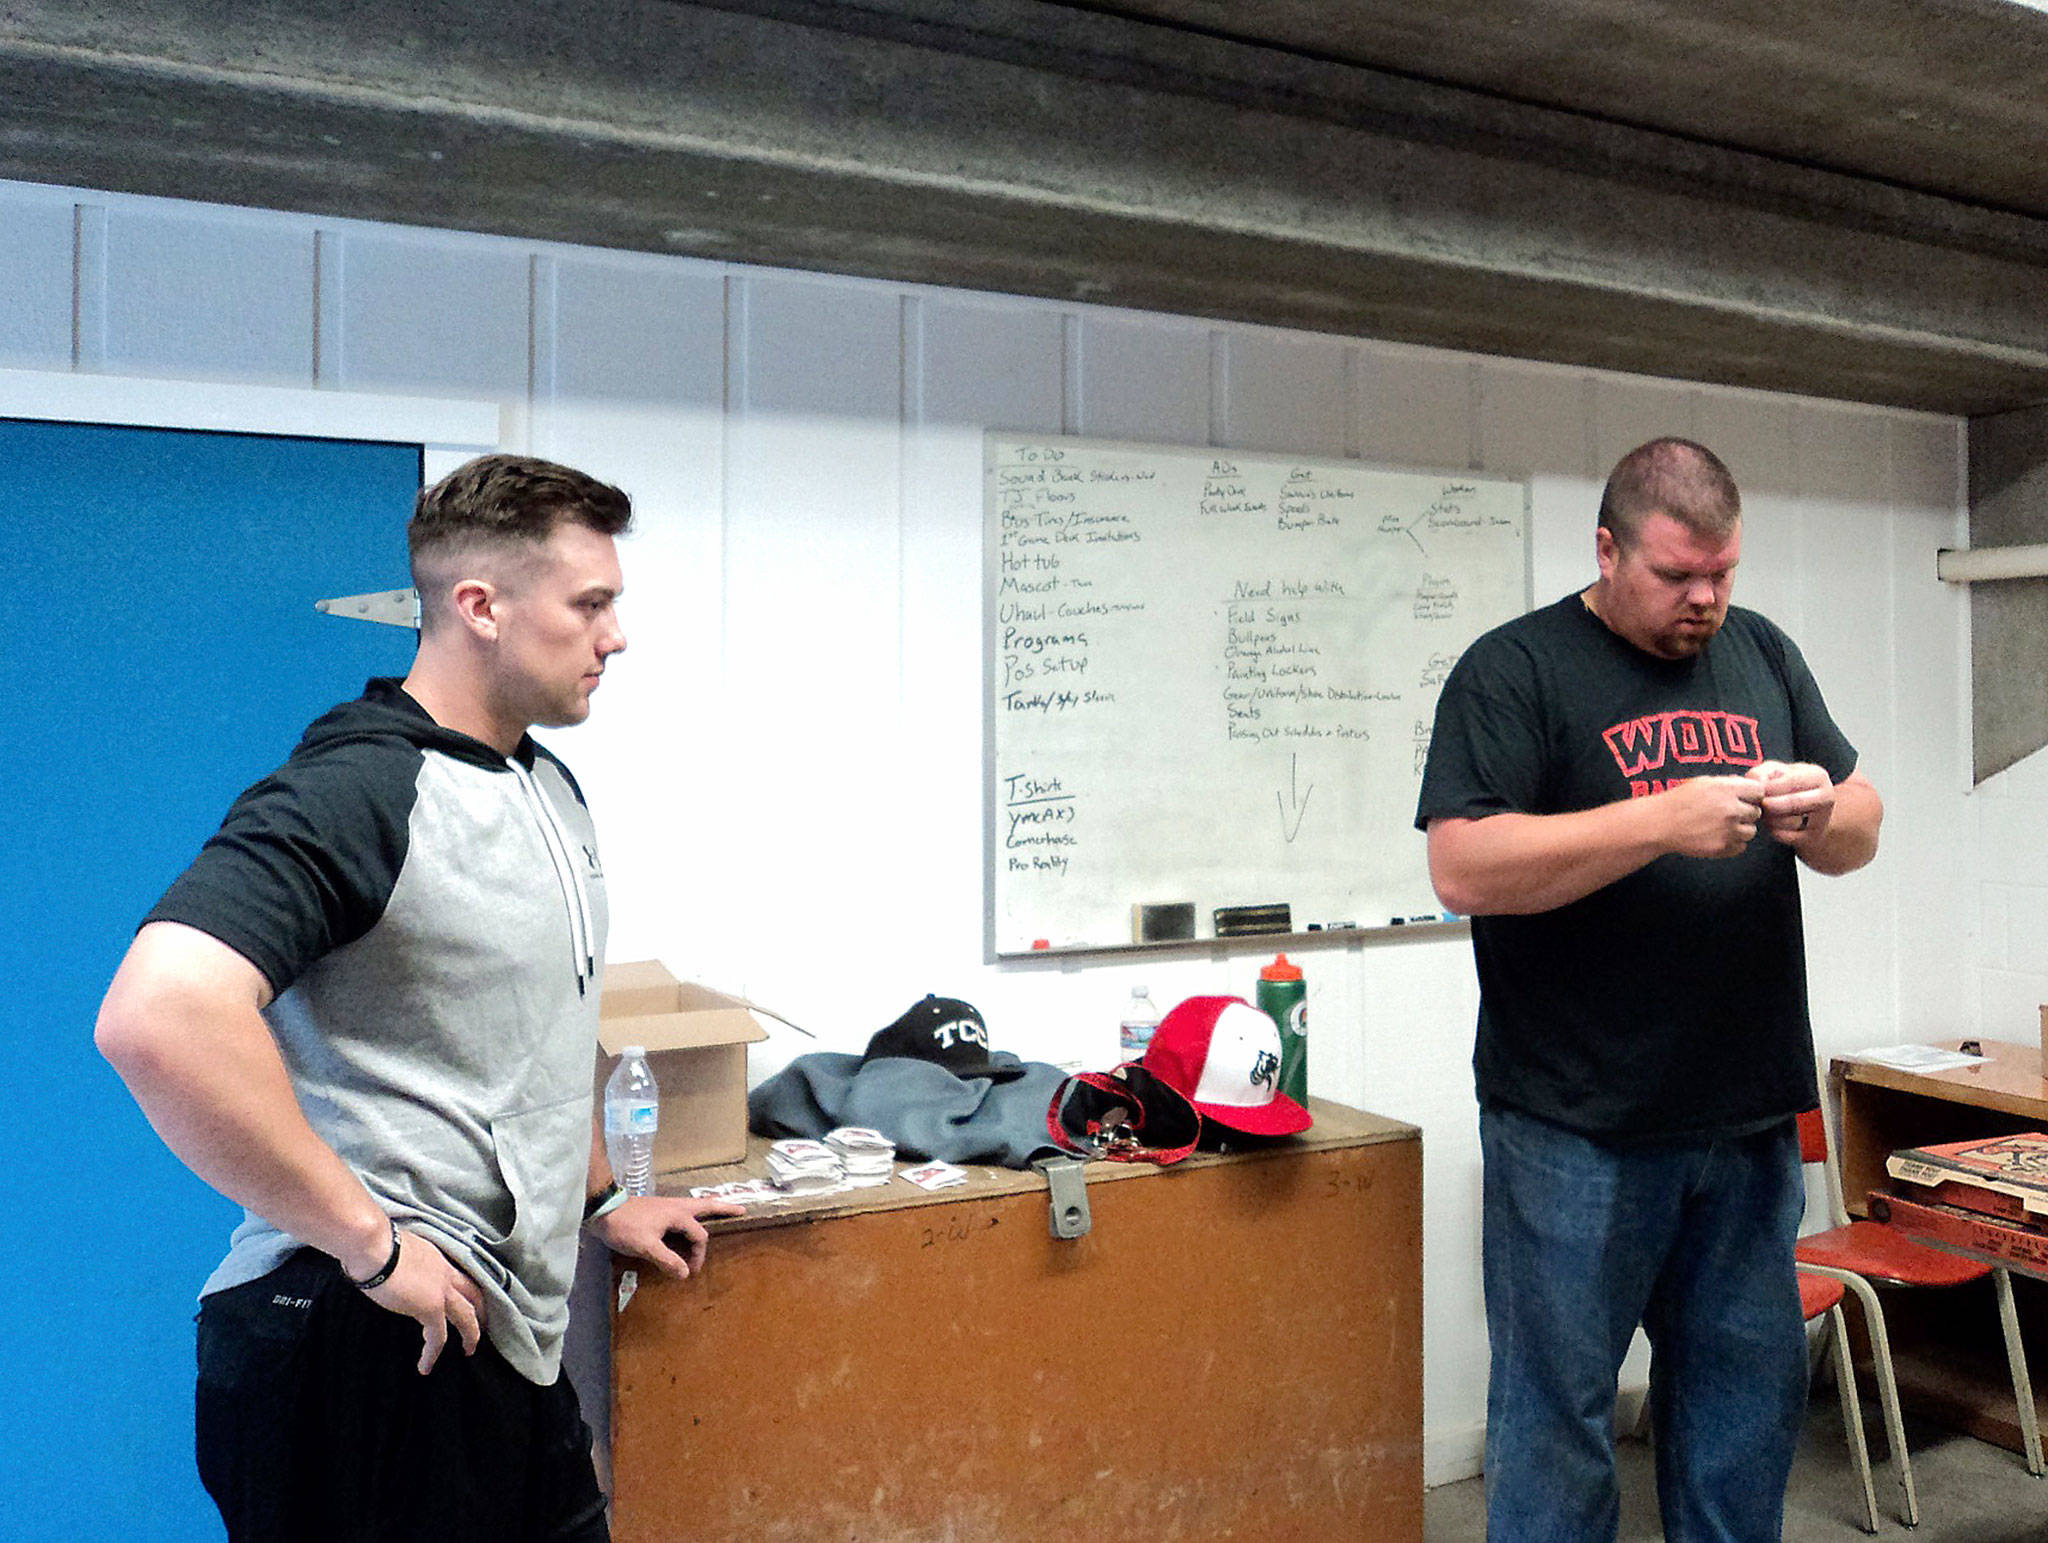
(314, 1426)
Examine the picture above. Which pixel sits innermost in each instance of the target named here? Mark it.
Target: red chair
(1820, 1294)
(1858, 1253)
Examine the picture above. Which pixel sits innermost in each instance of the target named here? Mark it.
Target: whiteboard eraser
(1169, 923)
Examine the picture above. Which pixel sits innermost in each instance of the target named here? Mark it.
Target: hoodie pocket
(544, 1154)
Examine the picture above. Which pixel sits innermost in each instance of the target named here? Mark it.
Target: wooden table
(1948, 1354)
(1233, 1350)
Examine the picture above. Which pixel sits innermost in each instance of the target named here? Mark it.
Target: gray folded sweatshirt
(926, 1110)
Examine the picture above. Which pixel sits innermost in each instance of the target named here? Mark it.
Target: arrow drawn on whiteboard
(1292, 800)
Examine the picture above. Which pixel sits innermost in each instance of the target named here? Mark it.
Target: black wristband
(593, 1204)
(390, 1265)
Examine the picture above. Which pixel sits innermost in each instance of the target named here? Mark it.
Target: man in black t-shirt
(1619, 791)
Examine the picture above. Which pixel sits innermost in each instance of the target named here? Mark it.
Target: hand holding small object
(1798, 800)
(1712, 816)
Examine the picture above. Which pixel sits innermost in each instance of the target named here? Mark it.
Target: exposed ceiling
(1945, 97)
(1846, 199)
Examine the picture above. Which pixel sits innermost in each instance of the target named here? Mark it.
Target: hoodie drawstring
(556, 840)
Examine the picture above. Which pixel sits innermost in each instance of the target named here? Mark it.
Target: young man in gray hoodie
(368, 1013)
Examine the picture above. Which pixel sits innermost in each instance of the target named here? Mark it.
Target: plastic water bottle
(1140, 1019)
(632, 1110)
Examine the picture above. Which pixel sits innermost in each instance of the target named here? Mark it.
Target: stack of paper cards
(867, 1156)
(935, 1175)
(804, 1167)
(742, 1191)
(1917, 1058)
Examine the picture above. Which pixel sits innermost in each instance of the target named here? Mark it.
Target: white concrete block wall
(787, 761)
(2011, 836)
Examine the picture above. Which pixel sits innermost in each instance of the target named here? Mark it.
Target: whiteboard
(1212, 678)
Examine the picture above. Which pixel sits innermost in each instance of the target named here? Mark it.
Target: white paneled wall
(786, 764)
(253, 320)
(38, 249)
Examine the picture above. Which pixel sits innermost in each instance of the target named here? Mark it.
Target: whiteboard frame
(990, 575)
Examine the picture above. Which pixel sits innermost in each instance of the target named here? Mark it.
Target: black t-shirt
(1673, 1000)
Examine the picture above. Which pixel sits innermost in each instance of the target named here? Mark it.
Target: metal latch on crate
(1064, 1179)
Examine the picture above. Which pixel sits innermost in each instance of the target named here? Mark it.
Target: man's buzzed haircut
(507, 502)
(1675, 477)
(511, 498)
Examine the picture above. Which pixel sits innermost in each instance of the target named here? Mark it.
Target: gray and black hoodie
(431, 917)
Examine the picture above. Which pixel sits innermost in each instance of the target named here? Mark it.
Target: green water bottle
(1283, 996)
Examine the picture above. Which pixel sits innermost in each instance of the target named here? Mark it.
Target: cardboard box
(696, 1041)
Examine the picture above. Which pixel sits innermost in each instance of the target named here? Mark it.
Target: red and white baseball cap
(1224, 1054)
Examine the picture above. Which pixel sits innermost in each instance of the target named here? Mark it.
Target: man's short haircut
(508, 500)
(1675, 477)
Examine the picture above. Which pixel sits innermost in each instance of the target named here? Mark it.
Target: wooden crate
(1234, 1351)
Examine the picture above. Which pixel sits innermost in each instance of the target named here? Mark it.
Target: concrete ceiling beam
(2008, 617)
(1002, 145)
(1941, 95)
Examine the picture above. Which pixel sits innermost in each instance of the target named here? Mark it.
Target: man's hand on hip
(427, 1288)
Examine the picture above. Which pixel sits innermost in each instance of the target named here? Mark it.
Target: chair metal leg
(2022, 1384)
(1887, 1385)
(1852, 1413)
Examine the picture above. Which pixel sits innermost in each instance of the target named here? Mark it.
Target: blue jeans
(1583, 1241)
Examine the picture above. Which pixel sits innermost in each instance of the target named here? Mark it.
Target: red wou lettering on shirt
(1689, 736)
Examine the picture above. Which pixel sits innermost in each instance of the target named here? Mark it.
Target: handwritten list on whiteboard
(1212, 676)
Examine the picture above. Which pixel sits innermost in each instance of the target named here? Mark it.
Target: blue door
(162, 653)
